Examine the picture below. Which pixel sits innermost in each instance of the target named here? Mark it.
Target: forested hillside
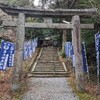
(87, 35)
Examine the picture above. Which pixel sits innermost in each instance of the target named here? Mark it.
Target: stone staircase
(48, 64)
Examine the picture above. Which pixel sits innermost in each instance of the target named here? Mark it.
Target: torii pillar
(64, 38)
(76, 41)
(48, 20)
(20, 35)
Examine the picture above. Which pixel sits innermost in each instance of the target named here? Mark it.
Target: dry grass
(5, 80)
(91, 89)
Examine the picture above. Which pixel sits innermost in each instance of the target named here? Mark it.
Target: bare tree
(95, 4)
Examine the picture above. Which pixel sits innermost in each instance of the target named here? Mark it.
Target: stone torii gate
(75, 26)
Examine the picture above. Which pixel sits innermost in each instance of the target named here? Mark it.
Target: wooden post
(64, 37)
(76, 41)
(18, 52)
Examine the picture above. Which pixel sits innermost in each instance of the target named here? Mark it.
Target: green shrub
(62, 53)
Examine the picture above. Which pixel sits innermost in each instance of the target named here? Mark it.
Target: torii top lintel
(46, 13)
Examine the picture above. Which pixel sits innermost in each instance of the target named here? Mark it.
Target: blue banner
(97, 46)
(4, 54)
(33, 46)
(84, 58)
(28, 51)
(29, 48)
(0, 49)
(25, 52)
(68, 49)
(35, 42)
(73, 56)
(11, 51)
(73, 60)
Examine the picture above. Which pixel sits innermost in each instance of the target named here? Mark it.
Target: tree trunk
(76, 41)
(18, 53)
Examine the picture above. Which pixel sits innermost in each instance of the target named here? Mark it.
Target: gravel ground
(49, 89)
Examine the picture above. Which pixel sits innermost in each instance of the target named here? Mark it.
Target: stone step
(41, 61)
(48, 69)
(48, 74)
(45, 72)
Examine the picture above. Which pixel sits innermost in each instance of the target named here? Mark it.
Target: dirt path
(49, 88)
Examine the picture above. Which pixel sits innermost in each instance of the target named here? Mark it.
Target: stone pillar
(64, 37)
(20, 35)
(48, 20)
(76, 41)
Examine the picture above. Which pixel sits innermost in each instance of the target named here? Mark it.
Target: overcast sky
(36, 2)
